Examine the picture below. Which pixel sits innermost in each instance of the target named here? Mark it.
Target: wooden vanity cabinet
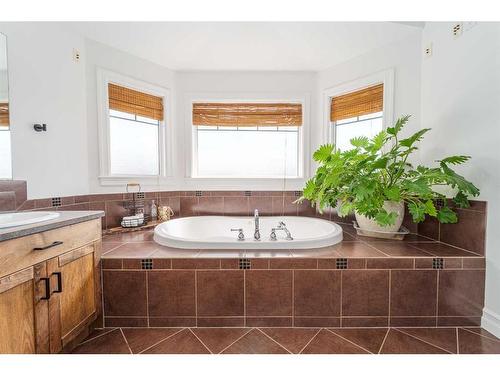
(76, 299)
(24, 311)
(46, 306)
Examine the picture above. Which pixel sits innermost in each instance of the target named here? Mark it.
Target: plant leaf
(461, 200)
(457, 159)
(393, 193)
(385, 218)
(430, 209)
(309, 189)
(408, 142)
(323, 152)
(447, 216)
(360, 142)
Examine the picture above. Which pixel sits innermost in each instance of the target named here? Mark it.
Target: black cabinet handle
(59, 282)
(47, 287)
(55, 243)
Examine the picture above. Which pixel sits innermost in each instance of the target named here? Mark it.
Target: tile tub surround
(12, 194)
(468, 234)
(358, 283)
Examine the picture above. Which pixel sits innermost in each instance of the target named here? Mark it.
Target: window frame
(385, 77)
(247, 182)
(165, 133)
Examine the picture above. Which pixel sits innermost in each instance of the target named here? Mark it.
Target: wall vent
(437, 263)
(341, 263)
(245, 264)
(140, 195)
(147, 264)
(198, 193)
(56, 202)
(248, 193)
(298, 193)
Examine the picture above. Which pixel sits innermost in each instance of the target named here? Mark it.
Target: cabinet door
(73, 304)
(24, 311)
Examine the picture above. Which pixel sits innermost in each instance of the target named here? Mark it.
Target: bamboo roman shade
(135, 102)
(4, 115)
(358, 103)
(247, 114)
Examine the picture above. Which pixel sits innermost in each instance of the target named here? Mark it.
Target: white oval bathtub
(214, 232)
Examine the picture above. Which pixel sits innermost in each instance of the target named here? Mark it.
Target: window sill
(122, 180)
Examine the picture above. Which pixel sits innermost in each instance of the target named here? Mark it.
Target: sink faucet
(256, 234)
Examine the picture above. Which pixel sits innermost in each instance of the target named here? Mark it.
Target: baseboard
(491, 322)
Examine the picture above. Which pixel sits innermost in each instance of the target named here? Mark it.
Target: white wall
(403, 56)
(47, 86)
(461, 103)
(99, 55)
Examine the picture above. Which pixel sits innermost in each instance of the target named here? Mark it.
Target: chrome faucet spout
(256, 234)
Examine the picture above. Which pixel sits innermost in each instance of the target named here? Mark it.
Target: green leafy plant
(377, 170)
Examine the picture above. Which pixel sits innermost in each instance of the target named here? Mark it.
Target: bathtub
(214, 232)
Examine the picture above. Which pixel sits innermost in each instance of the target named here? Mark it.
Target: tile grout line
(162, 340)
(341, 315)
(102, 334)
(349, 341)
(312, 338)
(293, 298)
(437, 297)
(147, 297)
(486, 337)
(206, 347)
(235, 341)
(244, 298)
(196, 296)
(126, 342)
(422, 340)
(265, 334)
(389, 315)
(383, 341)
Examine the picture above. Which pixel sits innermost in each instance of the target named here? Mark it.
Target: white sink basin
(16, 219)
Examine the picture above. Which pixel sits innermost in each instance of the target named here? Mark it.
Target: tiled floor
(290, 341)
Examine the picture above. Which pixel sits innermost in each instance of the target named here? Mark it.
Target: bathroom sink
(16, 219)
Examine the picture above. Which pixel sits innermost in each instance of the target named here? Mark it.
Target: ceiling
(288, 46)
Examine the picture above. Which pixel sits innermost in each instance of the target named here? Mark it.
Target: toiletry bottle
(154, 211)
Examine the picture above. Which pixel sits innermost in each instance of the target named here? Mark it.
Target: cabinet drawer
(20, 253)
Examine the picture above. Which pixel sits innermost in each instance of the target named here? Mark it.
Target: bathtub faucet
(256, 234)
(282, 226)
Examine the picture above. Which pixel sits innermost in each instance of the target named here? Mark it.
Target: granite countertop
(65, 218)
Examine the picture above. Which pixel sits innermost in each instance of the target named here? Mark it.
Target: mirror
(5, 152)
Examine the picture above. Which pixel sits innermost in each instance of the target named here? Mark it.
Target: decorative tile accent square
(56, 202)
(248, 193)
(245, 264)
(341, 263)
(140, 195)
(198, 193)
(437, 263)
(147, 264)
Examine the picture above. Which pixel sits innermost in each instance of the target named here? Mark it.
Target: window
(133, 144)
(134, 123)
(345, 130)
(5, 151)
(356, 114)
(247, 140)
(135, 135)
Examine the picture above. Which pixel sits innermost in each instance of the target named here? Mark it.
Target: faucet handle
(272, 236)
(241, 235)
